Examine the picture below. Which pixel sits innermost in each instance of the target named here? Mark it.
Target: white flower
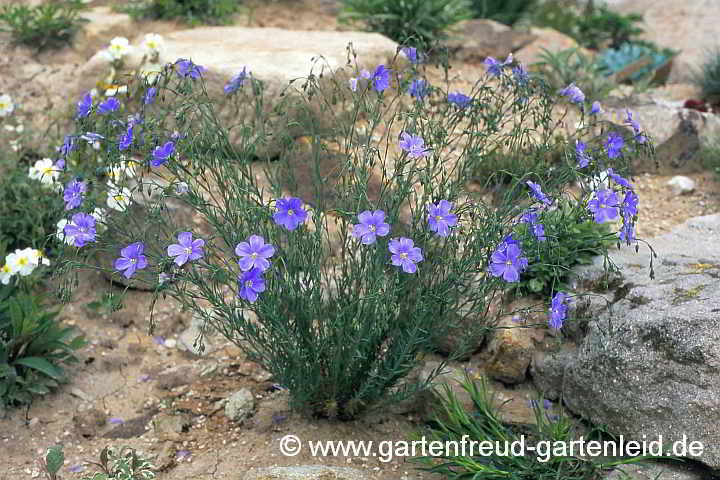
(7, 271)
(15, 145)
(6, 105)
(119, 47)
(60, 233)
(118, 199)
(153, 42)
(112, 91)
(151, 72)
(45, 171)
(122, 170)
(99, 215)
(26, 260)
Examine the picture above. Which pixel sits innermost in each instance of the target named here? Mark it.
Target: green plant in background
(572, 66)
(708, 78)
(419, 23)
(503, 11)
(484, 424)
(194, 12)
(48, 24)
(710, 155)
(594, 27)
(33, 347)
(568, 241)
(121, 463)
(634, 62)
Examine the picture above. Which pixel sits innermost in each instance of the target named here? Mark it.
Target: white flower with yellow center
(119, 47)
(7, 270)
(151, 72)
(153, 42)
(27, 260)
(6, 105)
(45, 171)
(115, 89)
(121, 171)
(99, 215)
(118, 198)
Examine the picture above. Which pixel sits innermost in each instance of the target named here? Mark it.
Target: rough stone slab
(306, 472)
(273, 55)
(651, 365)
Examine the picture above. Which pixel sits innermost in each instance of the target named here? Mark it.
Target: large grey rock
(676, 132)
(306, 472)
(545, 39)
(650, 365)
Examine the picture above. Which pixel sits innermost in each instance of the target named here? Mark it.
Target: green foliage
(646, 60)
(194, 12)
(123, 463)
(503, 11)
(564, 67)
(708, 78)
(53, 461)
(570, 240)
(419, 23)
(48, 24)
(484, 425)
(29, 210)
(710, 155)
(596, 27)
(33, 346)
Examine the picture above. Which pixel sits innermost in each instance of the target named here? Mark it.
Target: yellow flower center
(438, 218)
(290, 212)
(133, 260)
(6, 268)
(248, 283)
(188, 250)
(47, 170)
(509, 262)
(253, 255)
(372, 228)
(23, 261)
(403, 255)
(602, 205)
(119, 198)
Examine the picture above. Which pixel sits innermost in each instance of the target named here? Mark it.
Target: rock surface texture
(650, 365)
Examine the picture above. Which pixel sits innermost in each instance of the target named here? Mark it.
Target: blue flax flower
(74, 194)
(186, 68)
(440, 218)
(150, 95)
(381, 78)
(581, 156)
(109, 105)
(371, 224)
(558, 310)
(414, 145)
(418, 88)
(69, 145)
(131, 259)
(82, 109)
(537, 229)
(495, 67)
(603, 206)
(458, 99)
(162, 153)
(627, 232)
(290, 212)
(629, 204)
(126, 140)
(573, 93)
(81, 229)
(254, 253)
(250, 284)
(537, 193)
(595, 108)
(618, 179)
(508, 262)
(237, 81)
(404, 254)
(186, 249)
(412, 55)
(614, 144)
